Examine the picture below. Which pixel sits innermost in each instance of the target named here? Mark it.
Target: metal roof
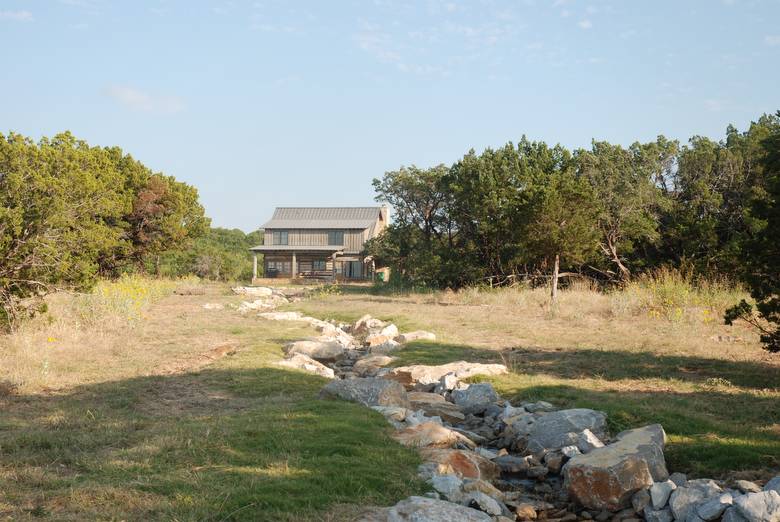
(297, 248)
(323, 217)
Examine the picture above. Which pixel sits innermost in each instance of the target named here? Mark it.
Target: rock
(421, 509)
(213, 306)
(300, 361)
(417, 417)
(512, 464)
(367, 391)
(259, 291)
(732, 515)
(678, 478)
(482, 502)
(470, 485)
(375, 340)
(390, 331)
(537, 472)
(772, 485)
(570, 451)
(554, 461)
(526, 512)
(540, 406)
(418, 335)
(476, 398)
(432, 435)
(281, 316)
(447, 383)
(587, 441)
(409, 376)
(319, 350)
(464, 464)
(395, 414)
(686, 497)
(434, 405)
(606, 478)
(745, 486)
(557, 429)
(640, 500)
(714, 508)
(365, 324)
(759, 507)
(368, 366)
(660, 492)
(447, 485)
(658, 515)
(385, 348)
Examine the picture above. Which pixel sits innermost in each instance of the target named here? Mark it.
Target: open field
(640, 358)
(140, 418)
(131, 405)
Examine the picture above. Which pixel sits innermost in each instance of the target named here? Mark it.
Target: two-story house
(319, 241)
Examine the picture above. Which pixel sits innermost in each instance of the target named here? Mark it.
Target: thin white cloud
(16, 16)
(585, 24)
(141, 101)
(772, 40)
(714, 105)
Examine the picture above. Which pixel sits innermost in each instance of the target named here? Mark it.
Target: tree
(628, 185)
(761, 254)
(561, 222)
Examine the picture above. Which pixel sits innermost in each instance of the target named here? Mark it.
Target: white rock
(281, 316)
(421, 509)
(587, 441)
(448, 485)
(759, 507)
(660, 492)
(686, 497)
(386, 347)
(253, 290)
(714, 508)
(419, 335)
(306, 363)
(483, 502)
(773, 485)
(390, 331)
(570, 451)
(319, 350)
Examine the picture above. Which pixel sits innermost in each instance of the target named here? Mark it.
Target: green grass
(240, 439)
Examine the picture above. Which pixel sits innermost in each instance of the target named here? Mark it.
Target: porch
(307, 263)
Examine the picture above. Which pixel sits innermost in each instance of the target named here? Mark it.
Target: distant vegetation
(527, 212)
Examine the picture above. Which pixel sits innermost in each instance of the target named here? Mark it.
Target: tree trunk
(554, 289)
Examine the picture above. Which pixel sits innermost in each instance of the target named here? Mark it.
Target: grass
(138, 427)
(654, 352)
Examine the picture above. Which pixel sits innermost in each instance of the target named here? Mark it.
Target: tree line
(71, 213)
(531, 211)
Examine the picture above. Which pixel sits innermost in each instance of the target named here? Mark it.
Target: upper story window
(280, 237)
(336, 237)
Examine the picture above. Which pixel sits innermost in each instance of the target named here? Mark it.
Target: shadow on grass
(221, 444)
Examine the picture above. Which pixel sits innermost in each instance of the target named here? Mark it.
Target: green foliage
(70, 212)
(220, 254)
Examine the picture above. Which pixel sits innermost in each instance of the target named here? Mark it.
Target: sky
(282, 103)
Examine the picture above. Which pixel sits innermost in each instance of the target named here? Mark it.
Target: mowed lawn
(717, 398)
(137, 423)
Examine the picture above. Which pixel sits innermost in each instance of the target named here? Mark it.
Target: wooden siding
(353, 239)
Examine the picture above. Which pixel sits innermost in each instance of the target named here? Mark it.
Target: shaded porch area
(323, 263)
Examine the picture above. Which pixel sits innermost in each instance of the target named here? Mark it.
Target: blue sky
(266, 103)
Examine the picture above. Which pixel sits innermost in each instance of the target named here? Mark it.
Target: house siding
(353, 239)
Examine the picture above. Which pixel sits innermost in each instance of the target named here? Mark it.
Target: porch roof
(297, 248)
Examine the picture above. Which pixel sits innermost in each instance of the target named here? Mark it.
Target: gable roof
(324, 217)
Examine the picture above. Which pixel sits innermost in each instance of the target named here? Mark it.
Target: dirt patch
(199, 361)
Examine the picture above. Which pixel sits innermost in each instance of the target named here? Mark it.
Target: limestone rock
(660, 493)
(607, 477)
(448, 485)
(366, 324)
(375, 340)
(431, 435)
(259, 291)
(418, 335)
(772, 485)
(434, 405)
(732, 514)
(540, 406)
(640, 500)
(714, 508)
(421, 509)
(557, 429)
(470, 485)
(588, 441)
(464, 464)
(394, 414)
(694, 492)
(409, 376)
(319, 350)
(281, 316)
(385, 347)
(678, 478)
(759, 507)
(483, 502)
(526, 512)
(746, 486)
(476, 398)
(367, 391)
(304, 362)
(368, 366)
(658, 515)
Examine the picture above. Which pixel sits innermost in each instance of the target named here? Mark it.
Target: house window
(280, 237)
(281, 267)
(336, 237)
(318, 264)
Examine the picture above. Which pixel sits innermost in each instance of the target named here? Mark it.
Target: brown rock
(409, 376)
(526, 512)
(463, 463)
(434, 405)
(431, 435)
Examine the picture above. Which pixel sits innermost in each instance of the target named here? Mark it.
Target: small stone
(640, 500)
(537, 472)
(533, 407)
(660, 492)
(678, 478)
(418, 335)
(483, 502)
(512, 464)
(448, 485)
(570, 451)
(586, 515)
(526, 512)
(772, 485)
(587, 441)
(476, 398)
(554, 461)
(685, 498)
(714, 508)
(746, 486)
(603, 516)
(658, 515)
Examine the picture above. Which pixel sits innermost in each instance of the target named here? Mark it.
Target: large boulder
(685, 498)
(432, 435)
(368, 366)
(476, 398)
(423, 509)
(410, 376)
(319, 350)
(417, 335)
(281, 316)
(367, 391)
(759, 507)
(558, 429)
(259, 291)
(307, 364)
(607, 478)
(463, 463)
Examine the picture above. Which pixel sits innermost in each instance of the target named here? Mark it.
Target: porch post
(294, 266)
(254, 266)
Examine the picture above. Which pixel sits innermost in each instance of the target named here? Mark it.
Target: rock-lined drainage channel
(488, 460)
